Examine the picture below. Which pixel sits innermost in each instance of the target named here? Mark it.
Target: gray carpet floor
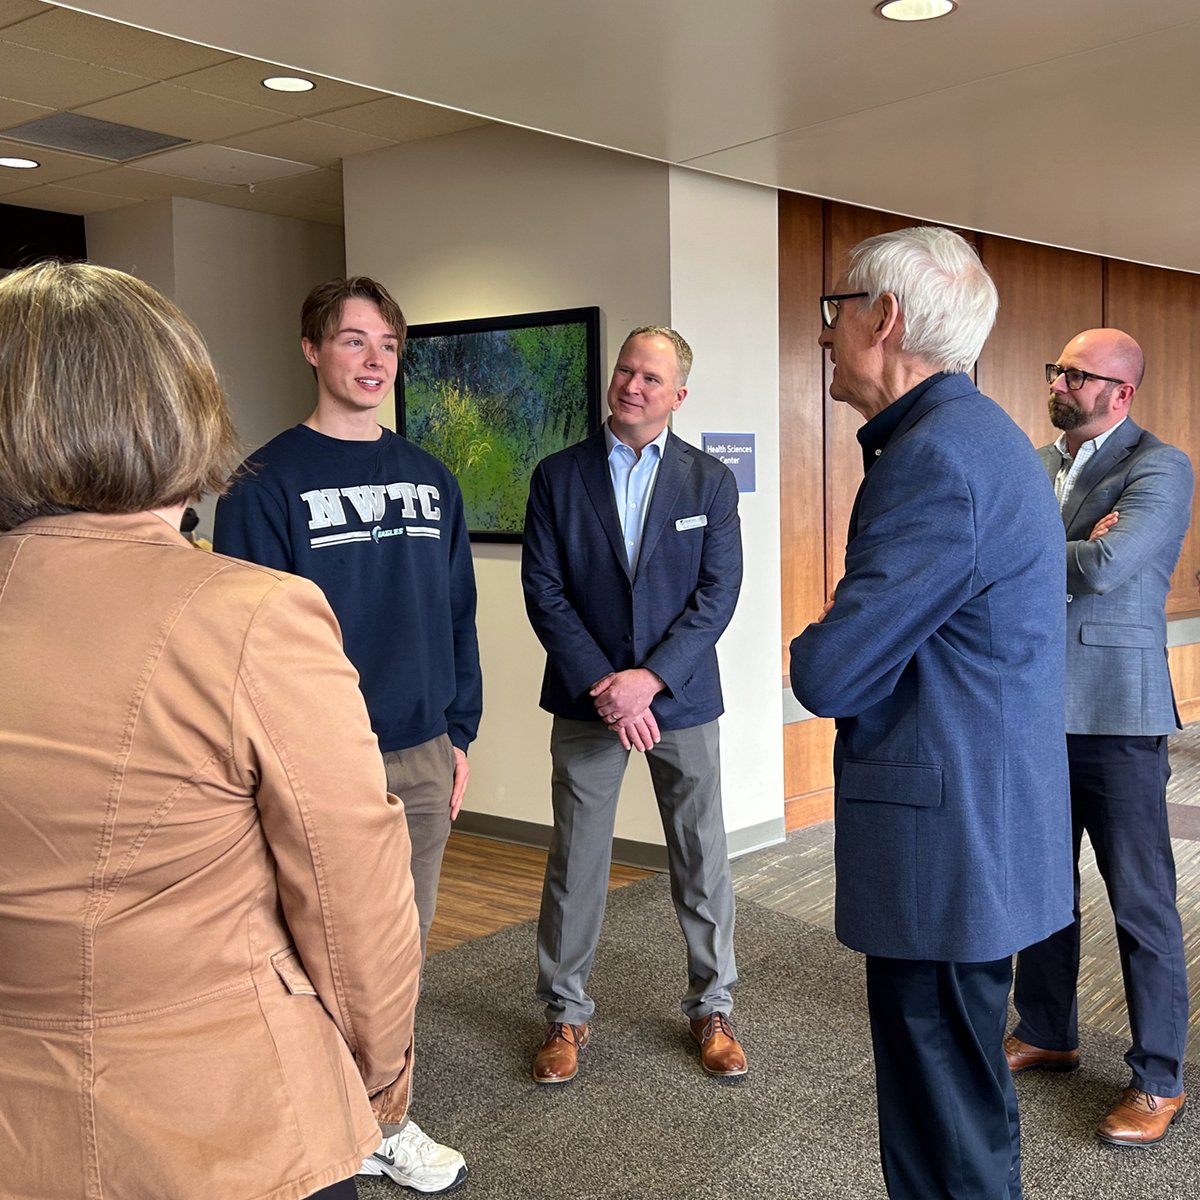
(643, 1120)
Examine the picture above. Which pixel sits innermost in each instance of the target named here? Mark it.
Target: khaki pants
(423, 777)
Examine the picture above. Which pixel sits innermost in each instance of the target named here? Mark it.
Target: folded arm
(1154, 510)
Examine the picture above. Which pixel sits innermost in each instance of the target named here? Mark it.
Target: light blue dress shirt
(1072, 468)
(633, 479)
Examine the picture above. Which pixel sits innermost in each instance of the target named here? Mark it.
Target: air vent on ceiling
(88, 135)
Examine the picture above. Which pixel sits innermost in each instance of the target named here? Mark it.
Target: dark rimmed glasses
(831, 306)
(1074, 376)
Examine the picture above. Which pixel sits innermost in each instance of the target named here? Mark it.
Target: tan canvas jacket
(208, 943)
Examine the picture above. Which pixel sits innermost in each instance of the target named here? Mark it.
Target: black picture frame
(492, 396)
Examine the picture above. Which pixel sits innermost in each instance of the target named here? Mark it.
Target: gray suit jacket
(1117, 676)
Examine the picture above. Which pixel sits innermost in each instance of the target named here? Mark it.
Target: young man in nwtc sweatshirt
(378, 524)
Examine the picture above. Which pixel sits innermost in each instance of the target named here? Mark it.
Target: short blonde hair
(683, 352)
(109, 401)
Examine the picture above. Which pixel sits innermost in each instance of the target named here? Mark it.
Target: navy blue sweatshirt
(379, 526)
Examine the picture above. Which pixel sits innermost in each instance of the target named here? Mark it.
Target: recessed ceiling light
(915, 10)
(288, 83)
(20, 164)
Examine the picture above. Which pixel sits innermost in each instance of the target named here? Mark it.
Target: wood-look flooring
(488, 885)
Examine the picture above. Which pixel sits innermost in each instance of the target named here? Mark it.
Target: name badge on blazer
(691, 522)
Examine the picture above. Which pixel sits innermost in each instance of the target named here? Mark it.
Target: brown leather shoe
(1024, 1057)
(720, 1051)
(1139, 1119)
(558, 1059)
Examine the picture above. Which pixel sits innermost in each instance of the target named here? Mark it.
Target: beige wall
(241, 277)
(724, 300)
(139, 240)
(497, 220)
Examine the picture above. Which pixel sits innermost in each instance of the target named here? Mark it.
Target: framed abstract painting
(490, 397)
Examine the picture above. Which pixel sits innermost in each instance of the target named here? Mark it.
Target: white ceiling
(1071, 122)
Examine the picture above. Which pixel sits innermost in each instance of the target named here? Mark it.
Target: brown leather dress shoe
(720, 1051)
(1024, 1057)
(558, 1059)
(1139, 1119)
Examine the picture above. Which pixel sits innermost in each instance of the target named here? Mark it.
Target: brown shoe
(1024, 1057)
(1139, 1119)
(558, 1059)
(720, 1051)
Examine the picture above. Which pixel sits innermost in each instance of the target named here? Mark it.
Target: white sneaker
(414, 1160)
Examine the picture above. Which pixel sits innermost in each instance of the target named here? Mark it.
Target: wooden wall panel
(808, 772)
(1185, 676)
(801, 416)
(1161, 309)
(1047, 296)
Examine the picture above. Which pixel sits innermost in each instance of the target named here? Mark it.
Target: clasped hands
(622, 699)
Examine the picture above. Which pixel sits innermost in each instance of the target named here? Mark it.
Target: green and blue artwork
(492, 397)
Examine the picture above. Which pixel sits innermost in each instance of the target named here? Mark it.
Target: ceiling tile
(55, 165)
(169, 109)
(16, 112)
(221, 164)
(401, 119)
(309, 141)
(40, 78)
(57, 198)
(324, 186)
(241, 79)
(261, 200)
(137, 184)
(12, 11)
(109, 44)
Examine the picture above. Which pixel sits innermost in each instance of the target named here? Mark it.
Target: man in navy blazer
(941, 657)
(631, 568)
(1126, 501)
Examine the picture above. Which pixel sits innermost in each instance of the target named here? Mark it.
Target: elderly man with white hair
(941, 656)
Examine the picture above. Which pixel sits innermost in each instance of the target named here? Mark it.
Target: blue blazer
(1117, 676)
(592, 617)
(942, 658)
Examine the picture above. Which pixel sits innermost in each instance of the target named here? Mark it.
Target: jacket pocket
(1092, 633)
(914, 784)
(288, 967)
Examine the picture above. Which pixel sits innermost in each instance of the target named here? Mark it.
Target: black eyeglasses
(1074, 376)
(831, 305)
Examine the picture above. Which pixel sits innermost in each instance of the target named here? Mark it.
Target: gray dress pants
(588, 766)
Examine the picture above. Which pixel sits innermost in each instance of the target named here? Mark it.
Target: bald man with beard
(1126, 503)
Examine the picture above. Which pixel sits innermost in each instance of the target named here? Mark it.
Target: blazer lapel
(1117, 447)
(1052, 460)
(672, 471)
(593, 466)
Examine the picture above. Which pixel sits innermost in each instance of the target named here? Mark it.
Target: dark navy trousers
(1118, 796)
(948, 1126)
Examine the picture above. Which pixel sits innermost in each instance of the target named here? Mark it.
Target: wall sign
(736, 451)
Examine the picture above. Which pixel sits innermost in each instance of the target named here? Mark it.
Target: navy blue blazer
(942, 658)
(592, 617)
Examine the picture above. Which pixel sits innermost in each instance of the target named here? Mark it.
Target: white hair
(947, 297)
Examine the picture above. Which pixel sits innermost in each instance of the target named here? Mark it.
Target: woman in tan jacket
(208, 945)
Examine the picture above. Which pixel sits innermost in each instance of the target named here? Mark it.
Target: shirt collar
(611, 441)
(1061, 442)
(877, 432)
